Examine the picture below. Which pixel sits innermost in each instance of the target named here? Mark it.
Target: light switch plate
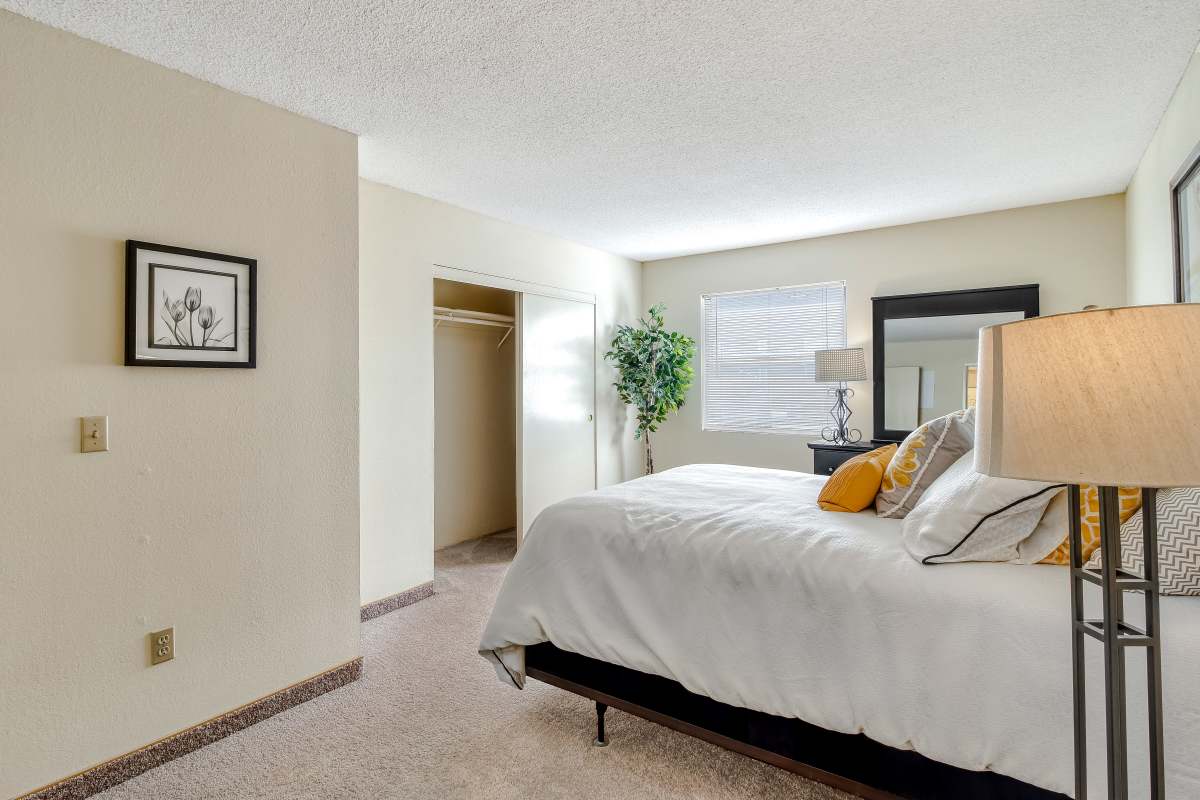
(162, 646)
(93, 435)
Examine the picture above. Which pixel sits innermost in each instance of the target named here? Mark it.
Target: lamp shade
(844, 364)
(1108, 397)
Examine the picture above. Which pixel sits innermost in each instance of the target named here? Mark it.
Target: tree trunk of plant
(650, 397)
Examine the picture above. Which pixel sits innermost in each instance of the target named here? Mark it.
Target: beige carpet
(428, 719)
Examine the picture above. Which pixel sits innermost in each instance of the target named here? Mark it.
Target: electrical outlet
(162, 646)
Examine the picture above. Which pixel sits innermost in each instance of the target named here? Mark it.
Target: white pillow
(1049, 533)
(966, 516)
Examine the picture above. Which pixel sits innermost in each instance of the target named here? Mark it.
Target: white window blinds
(757, 357)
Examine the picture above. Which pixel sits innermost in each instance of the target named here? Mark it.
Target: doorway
(514, 400)
(475, 437)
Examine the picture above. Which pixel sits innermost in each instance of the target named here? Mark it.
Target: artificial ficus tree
(654, 367)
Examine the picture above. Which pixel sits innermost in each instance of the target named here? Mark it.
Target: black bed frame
(850, 762)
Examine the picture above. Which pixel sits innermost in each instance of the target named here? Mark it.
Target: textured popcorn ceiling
(660, 128)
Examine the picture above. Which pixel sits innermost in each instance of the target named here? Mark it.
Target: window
(757, 357)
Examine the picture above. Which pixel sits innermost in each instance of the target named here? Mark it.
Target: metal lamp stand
(840, 432)
(1116, 634)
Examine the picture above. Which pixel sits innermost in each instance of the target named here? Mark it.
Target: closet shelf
(442, 314)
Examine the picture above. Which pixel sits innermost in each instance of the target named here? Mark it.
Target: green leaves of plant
(654, 368)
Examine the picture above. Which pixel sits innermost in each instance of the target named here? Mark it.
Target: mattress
(732, 582)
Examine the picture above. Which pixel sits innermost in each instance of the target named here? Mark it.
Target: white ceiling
(653, 129)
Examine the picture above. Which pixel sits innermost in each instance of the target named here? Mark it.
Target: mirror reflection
(930, 365)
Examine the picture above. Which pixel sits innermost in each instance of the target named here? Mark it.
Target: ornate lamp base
(840, 432)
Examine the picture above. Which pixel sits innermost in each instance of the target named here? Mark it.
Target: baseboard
(391, 603)
(122, 768)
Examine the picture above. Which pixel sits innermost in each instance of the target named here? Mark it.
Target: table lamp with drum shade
(838, 366)
(1106, 397)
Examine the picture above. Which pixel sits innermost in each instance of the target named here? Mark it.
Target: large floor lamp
(1108, 398)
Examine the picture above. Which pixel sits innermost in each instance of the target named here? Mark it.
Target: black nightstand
(828, 457)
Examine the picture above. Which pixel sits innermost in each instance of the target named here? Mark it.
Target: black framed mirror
(925, 348)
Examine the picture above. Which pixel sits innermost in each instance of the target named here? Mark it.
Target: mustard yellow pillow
(853, 485)
(1128, 502)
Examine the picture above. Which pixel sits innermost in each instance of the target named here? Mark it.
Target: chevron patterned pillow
(1178, 542)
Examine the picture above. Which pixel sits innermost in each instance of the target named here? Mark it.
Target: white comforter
(731, 581)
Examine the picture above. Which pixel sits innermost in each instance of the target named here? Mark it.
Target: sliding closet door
(557, 398)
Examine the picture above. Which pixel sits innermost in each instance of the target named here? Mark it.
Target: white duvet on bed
(732, 582)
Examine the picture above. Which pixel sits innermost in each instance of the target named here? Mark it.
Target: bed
(728, 586)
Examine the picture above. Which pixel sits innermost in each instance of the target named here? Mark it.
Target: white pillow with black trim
(1178, 543)
(1049, 533)
(967, 516)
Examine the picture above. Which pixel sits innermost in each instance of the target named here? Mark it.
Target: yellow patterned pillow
(1129, 501)
(924, 454)
(905, 464)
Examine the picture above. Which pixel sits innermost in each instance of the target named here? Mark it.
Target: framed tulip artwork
(188, 308)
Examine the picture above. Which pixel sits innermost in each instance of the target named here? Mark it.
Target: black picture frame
(132, 312)
(1188, 173)
(990, 300)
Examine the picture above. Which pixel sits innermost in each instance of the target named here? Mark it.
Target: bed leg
(601, 739)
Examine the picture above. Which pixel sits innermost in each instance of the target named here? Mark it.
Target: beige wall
(475, 447)
(1148, 200)
(402, 236)
(228, 504)
(1075, 250)
(947, 359)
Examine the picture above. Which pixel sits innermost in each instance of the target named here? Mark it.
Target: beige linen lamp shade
(1108, 397)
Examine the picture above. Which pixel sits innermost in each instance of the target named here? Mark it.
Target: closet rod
(471, 321)
(462, 313)
(508, 326)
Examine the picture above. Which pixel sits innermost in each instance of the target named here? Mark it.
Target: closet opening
(475, 411)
